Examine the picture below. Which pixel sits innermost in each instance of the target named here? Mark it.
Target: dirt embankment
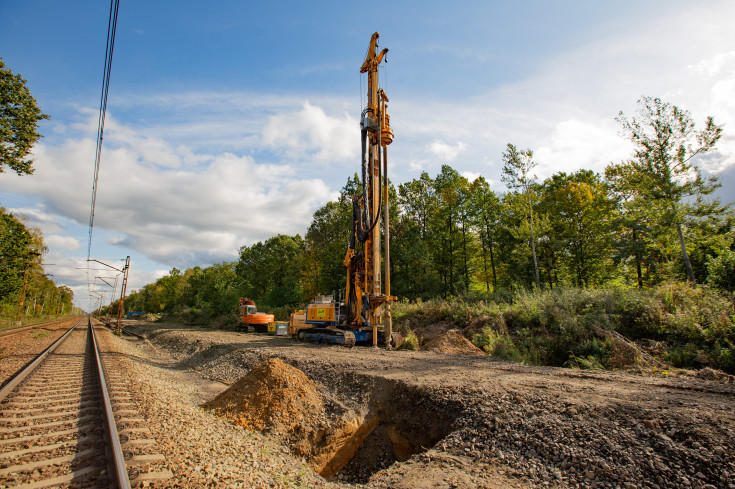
(480, 422)
(454, 343)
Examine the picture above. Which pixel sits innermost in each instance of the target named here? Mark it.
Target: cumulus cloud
(176, 209)
(575, 145)
(714, 65)
(446, 151)
(471, 176)
(64, 242)
(38, 217)
(311, 132)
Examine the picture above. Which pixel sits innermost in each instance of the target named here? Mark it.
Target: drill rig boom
(367, 314)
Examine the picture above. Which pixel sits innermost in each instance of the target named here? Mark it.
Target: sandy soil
(473, 421)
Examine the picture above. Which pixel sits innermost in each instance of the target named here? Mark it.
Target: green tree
(486, 215)
(326, 241)
(517, 168)
(448, 226)
(666, 144)
(273, 269)
(411, 250)
(632, 215)
(15, 241)
(19, 116)
(579, 217)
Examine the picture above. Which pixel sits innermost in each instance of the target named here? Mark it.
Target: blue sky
(234, 121)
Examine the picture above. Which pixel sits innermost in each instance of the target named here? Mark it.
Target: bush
(497, 345)
(694, 327)
(721, 271)
(410, 342)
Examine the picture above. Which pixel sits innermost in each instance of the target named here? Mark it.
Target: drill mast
(367, 304)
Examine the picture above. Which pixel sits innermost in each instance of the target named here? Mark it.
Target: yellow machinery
(364, 314)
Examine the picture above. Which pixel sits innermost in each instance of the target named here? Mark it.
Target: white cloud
(471, 176)
(178, 213)
(311, 132)
(714, 65)
(64, 242)
(37, 217)
(575, 145)
(446, 151)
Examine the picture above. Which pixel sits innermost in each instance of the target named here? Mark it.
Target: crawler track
(59, 421)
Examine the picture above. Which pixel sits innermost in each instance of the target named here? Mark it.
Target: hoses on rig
(363, 234)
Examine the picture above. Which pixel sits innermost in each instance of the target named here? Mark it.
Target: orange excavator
(251, 319)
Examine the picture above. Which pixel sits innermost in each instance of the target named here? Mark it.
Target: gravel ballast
(498, 424)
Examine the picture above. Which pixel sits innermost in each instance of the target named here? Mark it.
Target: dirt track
(478, 422)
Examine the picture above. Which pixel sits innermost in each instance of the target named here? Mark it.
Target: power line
(109, 49)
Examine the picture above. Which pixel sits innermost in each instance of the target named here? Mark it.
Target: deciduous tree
(666, 144)
(517, 168)
(19, 116)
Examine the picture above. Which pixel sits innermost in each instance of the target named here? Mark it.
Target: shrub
(410, 342)
(591, 362)
(721, 271)
(497, 345)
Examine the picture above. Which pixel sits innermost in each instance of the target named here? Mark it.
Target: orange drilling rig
(363, 315)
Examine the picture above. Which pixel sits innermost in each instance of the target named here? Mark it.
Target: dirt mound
(281, 400)
(428, 332)
(272, 395)
(452, 342)
(715, 375)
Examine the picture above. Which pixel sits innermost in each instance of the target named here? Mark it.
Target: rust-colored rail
(118, 461)
(49, 420)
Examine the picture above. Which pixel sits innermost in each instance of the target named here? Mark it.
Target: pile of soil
(431, 331)
(452, 342)
(715, 375)
(281, 400)
(273, 395)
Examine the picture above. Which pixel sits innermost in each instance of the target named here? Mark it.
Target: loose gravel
(201, 449)
(18, 349)
(498, 424)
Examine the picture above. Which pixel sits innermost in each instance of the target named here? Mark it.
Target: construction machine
(251, 319)
(363, 314)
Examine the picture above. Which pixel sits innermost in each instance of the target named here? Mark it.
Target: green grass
(692, 327)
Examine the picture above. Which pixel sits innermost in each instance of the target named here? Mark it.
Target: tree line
(641, 222)
(25, 290)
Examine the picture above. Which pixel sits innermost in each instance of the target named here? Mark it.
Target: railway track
(63, 418)
(20, 329)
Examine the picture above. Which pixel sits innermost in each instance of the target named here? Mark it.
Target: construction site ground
(437, 420)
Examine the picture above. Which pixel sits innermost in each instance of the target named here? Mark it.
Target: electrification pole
(118, 325)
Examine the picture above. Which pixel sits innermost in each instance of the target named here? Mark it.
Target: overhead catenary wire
(109, 50)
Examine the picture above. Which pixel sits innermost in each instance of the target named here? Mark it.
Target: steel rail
(123, 330)
(32, 366)
(127, 332)
(121, 472)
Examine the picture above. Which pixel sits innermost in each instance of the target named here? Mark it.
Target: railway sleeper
(44, 408)
(50, 415)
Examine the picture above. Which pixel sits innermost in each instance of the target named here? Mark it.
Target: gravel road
(469, 421)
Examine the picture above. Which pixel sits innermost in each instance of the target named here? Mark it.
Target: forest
(640, 225)
(26, 291)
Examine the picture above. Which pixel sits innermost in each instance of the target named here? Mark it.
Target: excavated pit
(392, 430)
(347, 430)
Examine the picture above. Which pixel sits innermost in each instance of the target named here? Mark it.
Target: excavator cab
(250, 310)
